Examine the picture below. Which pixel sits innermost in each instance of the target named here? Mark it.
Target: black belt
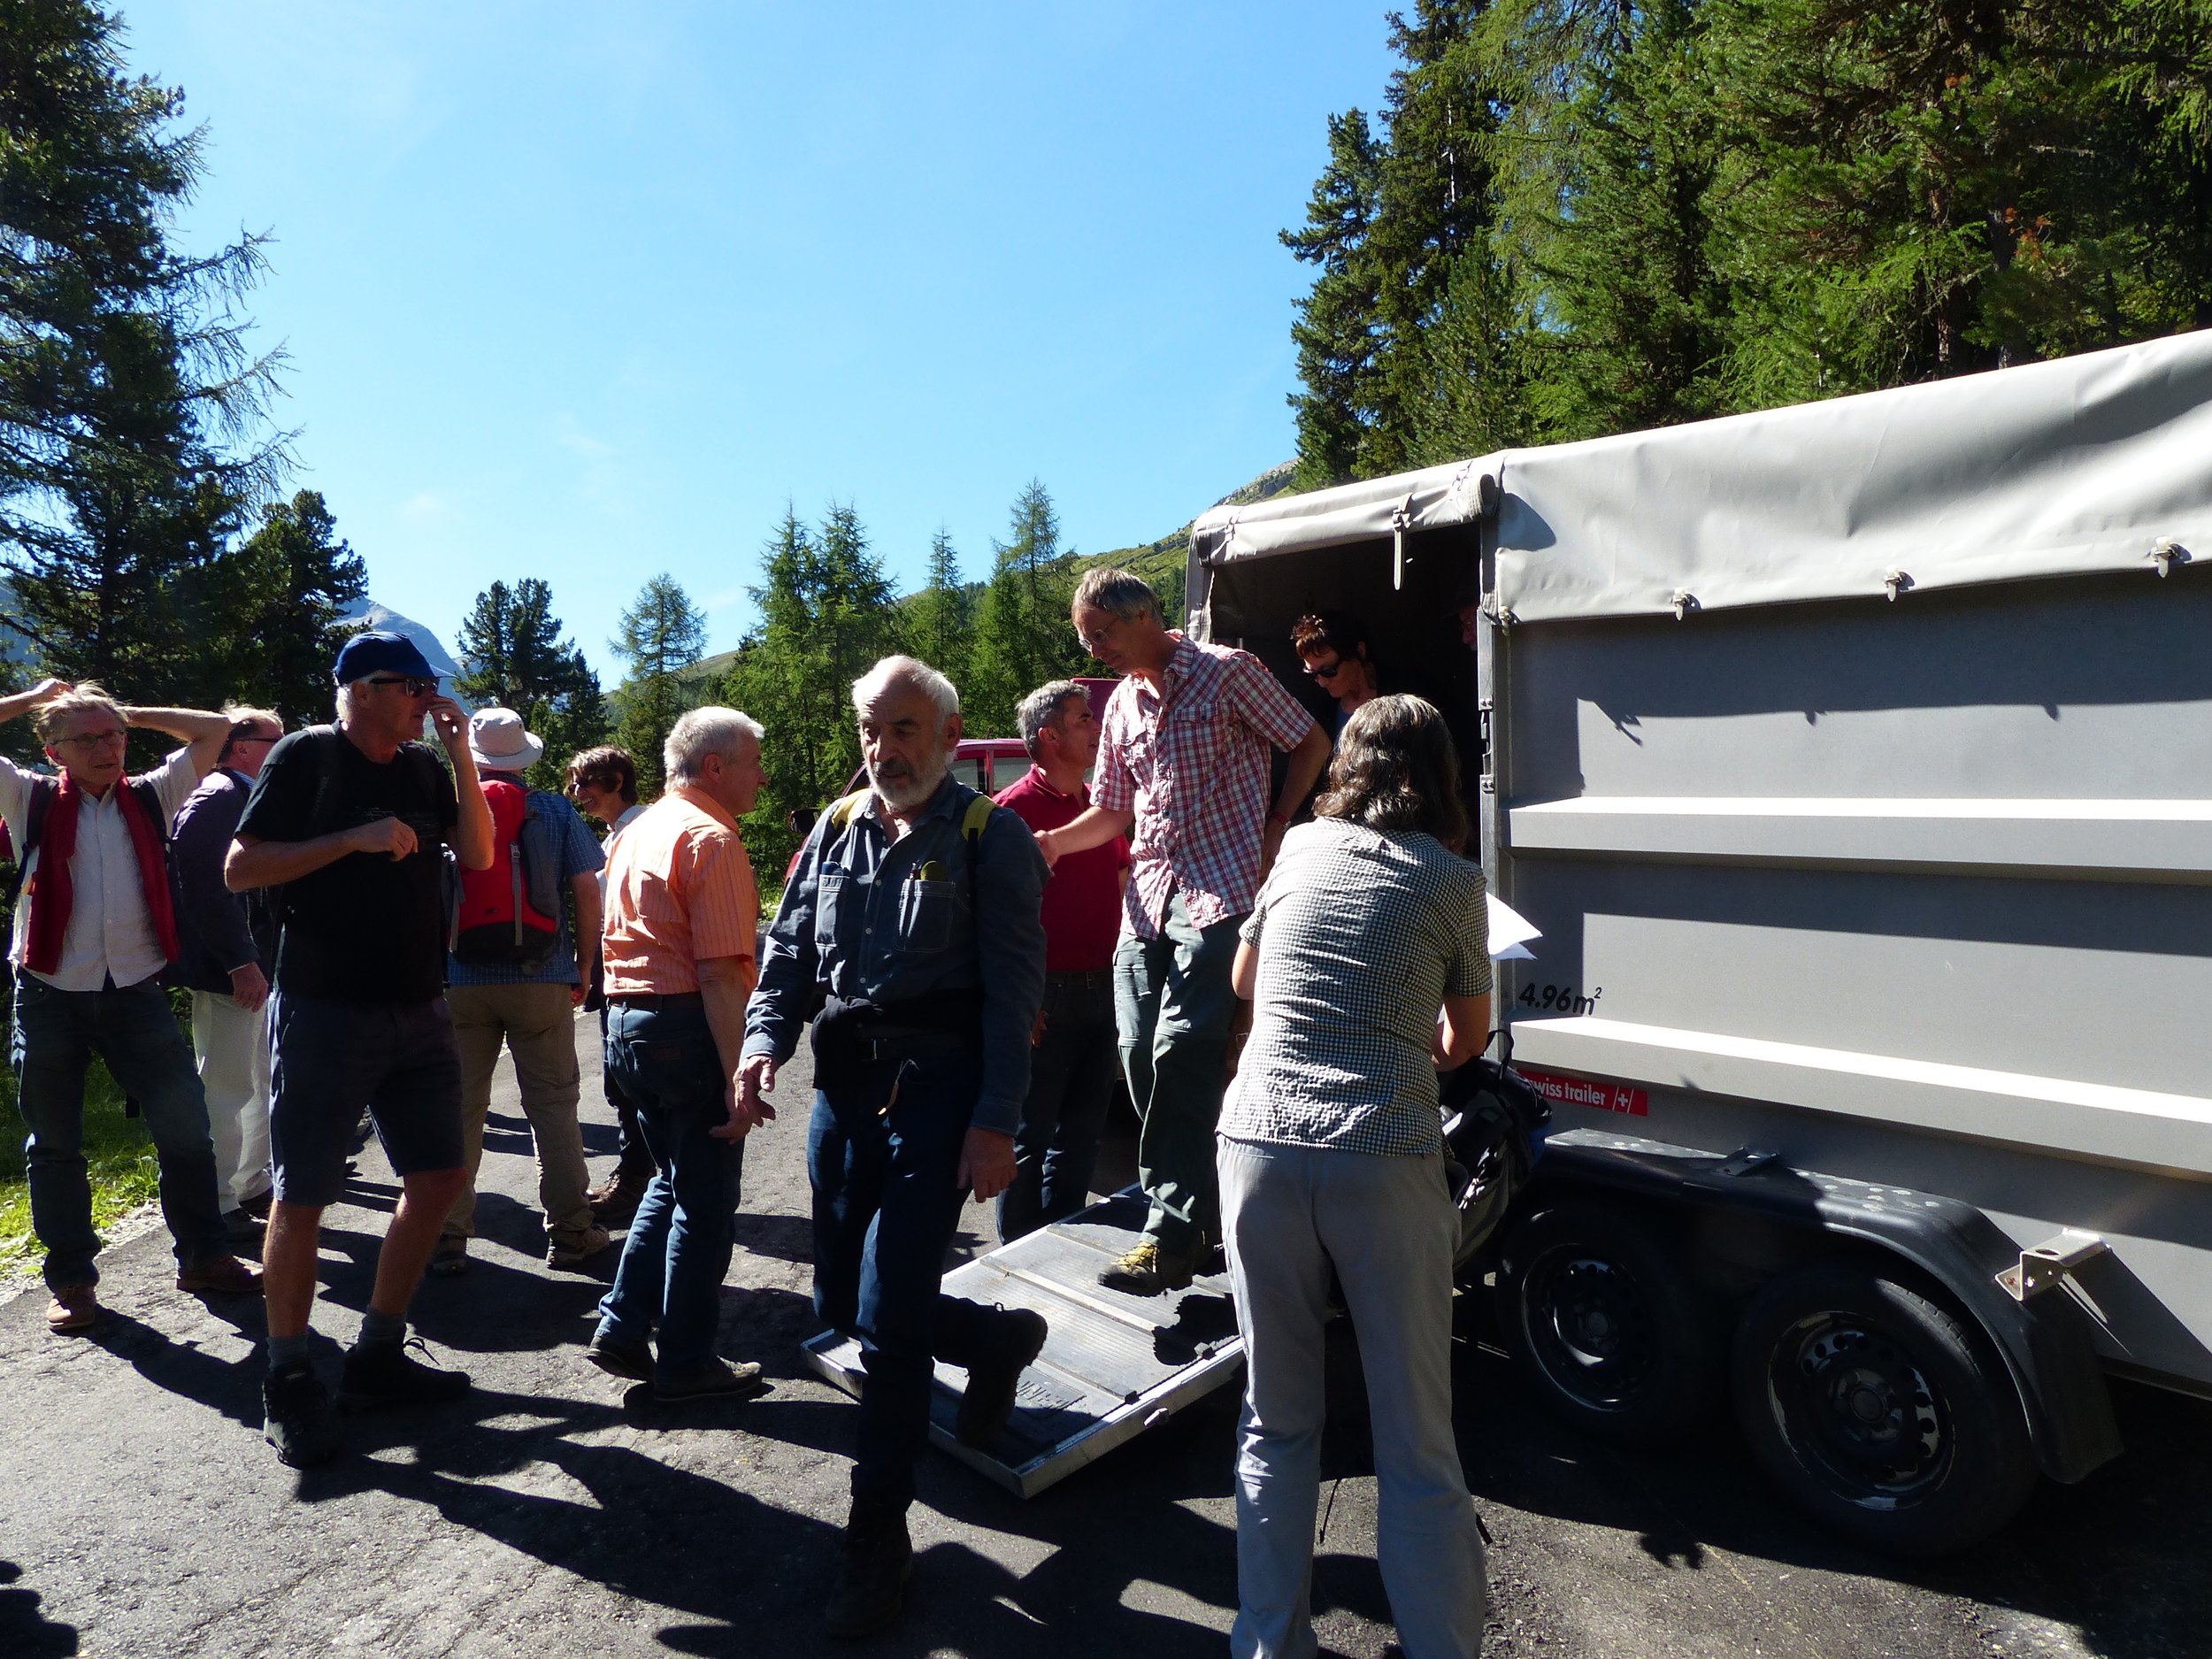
(1082, 978)
(652, 1002)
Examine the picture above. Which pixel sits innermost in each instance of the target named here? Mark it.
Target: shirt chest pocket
(1190, 735)
(837, 901)
(925, 916)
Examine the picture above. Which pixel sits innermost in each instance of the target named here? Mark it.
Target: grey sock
(382, 1330)
(288, 1350)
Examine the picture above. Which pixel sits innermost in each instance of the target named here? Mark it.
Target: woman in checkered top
(1367, 960)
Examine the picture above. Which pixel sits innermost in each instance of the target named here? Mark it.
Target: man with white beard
(911, 920)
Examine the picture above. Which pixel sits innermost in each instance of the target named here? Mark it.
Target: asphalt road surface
(144, 1515)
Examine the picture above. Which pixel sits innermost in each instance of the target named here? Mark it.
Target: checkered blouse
(1361, 936)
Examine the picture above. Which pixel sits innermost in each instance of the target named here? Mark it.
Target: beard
(902, 788)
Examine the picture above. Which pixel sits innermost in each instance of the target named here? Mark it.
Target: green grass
(118, 1149)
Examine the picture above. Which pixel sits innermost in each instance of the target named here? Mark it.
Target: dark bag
(1494, 1133)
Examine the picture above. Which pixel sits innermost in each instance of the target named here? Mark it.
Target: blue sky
(589, 291)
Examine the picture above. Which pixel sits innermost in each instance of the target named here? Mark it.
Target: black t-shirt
(368, 928)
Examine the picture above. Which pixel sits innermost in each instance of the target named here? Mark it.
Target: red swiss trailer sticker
(1580, 1091)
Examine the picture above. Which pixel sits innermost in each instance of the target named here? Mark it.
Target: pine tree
(658, 637)
(513, 656)
(1023, 637)
(286, 590)
(1336, 332)
(123, 363)
(826, 616)
(941, 619)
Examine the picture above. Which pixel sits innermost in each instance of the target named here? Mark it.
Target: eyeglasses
(1325, 670)
(1092, 641)
(92, 740)
(415, 686)
(248, 735)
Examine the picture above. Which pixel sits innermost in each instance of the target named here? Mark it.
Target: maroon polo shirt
(1082, 903)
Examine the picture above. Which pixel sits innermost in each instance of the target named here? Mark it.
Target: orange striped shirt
(679, 890)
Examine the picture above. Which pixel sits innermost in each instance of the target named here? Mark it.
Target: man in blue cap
(348, 820)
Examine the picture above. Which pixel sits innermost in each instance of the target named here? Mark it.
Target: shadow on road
(24, 1629)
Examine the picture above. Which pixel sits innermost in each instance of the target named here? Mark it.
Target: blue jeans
(1172, 1004)
(885, 1211)
(133, 1030)
(1071, 1086)
(678, 1251)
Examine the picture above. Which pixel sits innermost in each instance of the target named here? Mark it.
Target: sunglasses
(415, 687)
(1325, 670)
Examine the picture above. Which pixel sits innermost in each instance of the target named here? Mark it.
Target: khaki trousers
(537, 1023)
(231, 1044)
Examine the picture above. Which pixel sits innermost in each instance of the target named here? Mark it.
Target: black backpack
(1494, 1133)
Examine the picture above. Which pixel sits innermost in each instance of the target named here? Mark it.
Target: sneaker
(876, 1559)
(714, 1379)
(987, 1401)
(220, 1275)
(449, 1260)
(574, 1249)
(387, 1376)
(73, 1308)
(631, 1364)
(1148, 1270)
(296, 1417)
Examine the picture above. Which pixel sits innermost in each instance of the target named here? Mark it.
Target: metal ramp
(1113, 1365)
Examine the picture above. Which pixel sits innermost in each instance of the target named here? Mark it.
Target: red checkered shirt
(1192, 765)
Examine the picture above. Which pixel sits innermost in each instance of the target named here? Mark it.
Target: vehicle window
(969, 771)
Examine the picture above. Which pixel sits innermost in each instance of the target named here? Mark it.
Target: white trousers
(233, 1046)
(1385, 1223)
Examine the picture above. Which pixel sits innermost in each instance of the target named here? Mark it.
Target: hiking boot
(221, 1275)
(876, 1558)
(987, 1401)
(630, 1363)
(73, 1308)
(615, 1199)
(1149, 1269)
(449, 1260)
(296, 1417)
(386, 1376)
(573, 1251)
(713, 1380)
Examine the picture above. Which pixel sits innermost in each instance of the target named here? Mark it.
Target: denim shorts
(332, 1058)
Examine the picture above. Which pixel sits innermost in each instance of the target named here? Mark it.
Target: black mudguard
(2048, 1341)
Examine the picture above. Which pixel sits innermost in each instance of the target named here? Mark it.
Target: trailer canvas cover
(2037, 471)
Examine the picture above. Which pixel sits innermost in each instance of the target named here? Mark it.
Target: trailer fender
(2046, 1341)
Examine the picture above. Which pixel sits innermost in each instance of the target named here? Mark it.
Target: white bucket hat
(501, 742)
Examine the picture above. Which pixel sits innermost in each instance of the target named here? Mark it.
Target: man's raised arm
(204, 732)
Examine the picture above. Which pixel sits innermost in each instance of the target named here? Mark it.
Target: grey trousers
(1288, 1213)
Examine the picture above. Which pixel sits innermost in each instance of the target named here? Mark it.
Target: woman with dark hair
(1332, 648)
(1366, 956)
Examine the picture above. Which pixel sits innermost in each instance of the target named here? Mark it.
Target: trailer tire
(1600, 1321)
(1878, 1412)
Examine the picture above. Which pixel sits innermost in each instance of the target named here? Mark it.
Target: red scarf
(52, 895)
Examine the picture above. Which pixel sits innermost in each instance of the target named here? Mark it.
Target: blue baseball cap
(378, 651)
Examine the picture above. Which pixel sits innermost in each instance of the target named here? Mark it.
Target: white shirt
(630, 815)
(111, 931)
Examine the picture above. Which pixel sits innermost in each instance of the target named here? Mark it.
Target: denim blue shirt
(580, 857)
(866, 918)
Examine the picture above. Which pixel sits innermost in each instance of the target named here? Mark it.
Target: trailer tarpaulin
(2097, 463)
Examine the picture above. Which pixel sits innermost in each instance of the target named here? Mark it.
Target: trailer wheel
(1599, 1317)
(1879, 1413)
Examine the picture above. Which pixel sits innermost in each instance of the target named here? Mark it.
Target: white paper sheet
(1509, 930)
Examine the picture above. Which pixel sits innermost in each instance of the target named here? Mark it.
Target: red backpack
(511, 913)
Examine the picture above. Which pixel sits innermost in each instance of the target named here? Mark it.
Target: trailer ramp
(1113, 1365)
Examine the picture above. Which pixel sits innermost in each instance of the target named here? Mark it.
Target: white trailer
(1855, 762)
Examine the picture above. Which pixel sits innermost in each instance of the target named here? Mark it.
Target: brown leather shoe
(614, 1201)
(225, 1275)
(73, 1308)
